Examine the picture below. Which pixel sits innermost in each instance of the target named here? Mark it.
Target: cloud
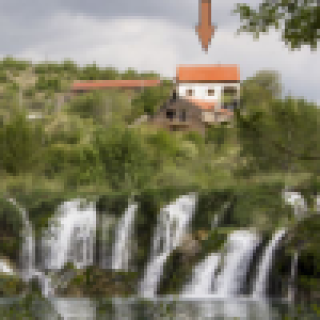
(183, 12)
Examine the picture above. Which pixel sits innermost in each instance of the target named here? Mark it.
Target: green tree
(69, 66)
(40, 68)
(164, 146)
(9, 63)
(124, 158)
(151, 98)
(283, 137)
(3, 76)
(90, 72)
(260, 89)
(30, 92)
(54, 84)
(299, 21)
(21, 145)
(102, 106)
(130, 74)
(109, 74)
(42, 83)
(149, 75)
(78, 164)
(217, 135)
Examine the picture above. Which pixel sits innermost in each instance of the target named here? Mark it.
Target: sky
(150, 35)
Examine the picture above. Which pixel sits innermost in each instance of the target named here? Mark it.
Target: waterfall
(106, 225)
(266, 264)
(71, 236)
(171, 227)
(28, 245)
(297, 202)
(28, 253)
(123, 239)
(45, 282)
(204, 272)
(240, 248)
(5, 268)
(293, 274)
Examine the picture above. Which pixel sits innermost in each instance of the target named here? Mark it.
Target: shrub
(124, 158)
(21, 146)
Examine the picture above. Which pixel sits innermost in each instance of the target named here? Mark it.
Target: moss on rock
(11, 285)
(10, 230)
(96, 282)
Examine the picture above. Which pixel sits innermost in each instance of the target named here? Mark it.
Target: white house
(208, 85)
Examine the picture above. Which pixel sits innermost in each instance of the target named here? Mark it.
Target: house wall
(208, 116)
(200, 91)
(221, 117)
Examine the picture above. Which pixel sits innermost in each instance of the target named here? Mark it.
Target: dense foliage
(298, 20)
(90, 141)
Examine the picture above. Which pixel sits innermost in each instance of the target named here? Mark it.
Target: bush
(21, 146)
(90, 72)
(41, 83)
(30, 92)
(69, 66)
(124, 158)
(217, 134)
(194, 137)
(3, 76)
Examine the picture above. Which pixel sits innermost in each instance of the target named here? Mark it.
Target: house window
(183, 115)
(189, 92)
(230, 91)
(210, 92)
(170, 114)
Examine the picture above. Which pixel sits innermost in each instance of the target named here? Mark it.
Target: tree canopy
(299, 21)
(260, 89)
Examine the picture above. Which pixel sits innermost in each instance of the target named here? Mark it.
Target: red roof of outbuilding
(208, 106)
(208, 73)
(100, 84)
(202, 104)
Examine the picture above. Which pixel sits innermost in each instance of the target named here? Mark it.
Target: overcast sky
(149, 35)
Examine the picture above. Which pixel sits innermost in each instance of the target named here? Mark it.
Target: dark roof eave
(208, 81)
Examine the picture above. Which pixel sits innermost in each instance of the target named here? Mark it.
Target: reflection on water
(177, 308)
(69, 309)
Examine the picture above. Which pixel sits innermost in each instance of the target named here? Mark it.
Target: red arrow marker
(205, 30)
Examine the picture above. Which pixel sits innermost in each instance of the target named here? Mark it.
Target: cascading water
(45, 282)
(293, 274)
(71, 236)
(297, 202)
(28, 253)
(204, 272)
(28, 245)
(240, 248)
(106, 224)
(5, 267)
(172, 225)
(266, 264)
(123, 239)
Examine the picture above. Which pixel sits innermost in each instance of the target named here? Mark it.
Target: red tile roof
(208, 73)
(100, 84)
